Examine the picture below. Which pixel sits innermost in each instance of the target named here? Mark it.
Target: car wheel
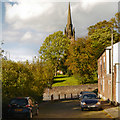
(82, 108)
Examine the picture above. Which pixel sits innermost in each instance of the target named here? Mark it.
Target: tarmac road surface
(67, 109)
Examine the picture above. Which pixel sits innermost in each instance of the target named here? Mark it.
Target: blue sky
(25, 25)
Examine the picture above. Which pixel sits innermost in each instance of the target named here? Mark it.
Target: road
(67, 109)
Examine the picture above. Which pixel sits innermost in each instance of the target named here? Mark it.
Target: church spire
(69, 31)
(69, 21)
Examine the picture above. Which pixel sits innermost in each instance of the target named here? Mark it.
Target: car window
(18, 102)
(89, 96)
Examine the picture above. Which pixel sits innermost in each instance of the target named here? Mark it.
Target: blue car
(90, 101)
(22, 107)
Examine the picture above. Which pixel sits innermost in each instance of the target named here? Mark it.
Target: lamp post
(112, 64)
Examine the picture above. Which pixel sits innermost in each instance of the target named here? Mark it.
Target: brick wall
(104, 79)
(104, 84)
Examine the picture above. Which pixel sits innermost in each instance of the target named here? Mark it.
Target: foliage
(24, 79)
(100, 36)
(84, 52)
(80, 60)
(54, 49)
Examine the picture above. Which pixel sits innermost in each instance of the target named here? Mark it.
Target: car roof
(89, 94)
(82, 92)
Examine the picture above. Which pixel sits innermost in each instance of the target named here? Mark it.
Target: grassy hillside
(64, 80)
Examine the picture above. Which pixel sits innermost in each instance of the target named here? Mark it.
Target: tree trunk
(55, 71)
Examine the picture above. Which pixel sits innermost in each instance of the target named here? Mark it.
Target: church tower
(69, 30)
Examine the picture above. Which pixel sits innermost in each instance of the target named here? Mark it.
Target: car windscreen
(89, 96)
(20, 102)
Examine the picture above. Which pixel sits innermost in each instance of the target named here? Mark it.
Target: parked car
(22, 107)
(83, 92)
(90, 101)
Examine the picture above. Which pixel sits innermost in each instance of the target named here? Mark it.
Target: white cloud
(88, 4)
(23, 37)
(27, 36)
(10, 35)
(20, 54)
(30, 14)
(25, 9)
(29, 23)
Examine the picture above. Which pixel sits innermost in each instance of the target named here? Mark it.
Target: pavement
(113, 112)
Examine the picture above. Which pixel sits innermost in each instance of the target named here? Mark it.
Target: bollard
(59, 97)
(77, 95)
(71, 96)
(52, 97)
(64, 96)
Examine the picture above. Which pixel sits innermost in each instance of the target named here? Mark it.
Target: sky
(26, 23)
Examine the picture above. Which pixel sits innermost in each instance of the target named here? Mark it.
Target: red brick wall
(107, 85)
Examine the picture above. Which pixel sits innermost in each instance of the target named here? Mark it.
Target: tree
(84, 52)
(54, 49)
(100, 36)
(25, 79)
(80, 61)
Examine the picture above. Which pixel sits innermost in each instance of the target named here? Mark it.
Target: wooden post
(71, 96)
(77, 95)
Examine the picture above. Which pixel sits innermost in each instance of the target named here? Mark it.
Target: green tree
(54, 49)
(25, 79)
(80, 61)
(84, 52)
(100, 36)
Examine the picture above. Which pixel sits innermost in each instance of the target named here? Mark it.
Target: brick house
(105, 90)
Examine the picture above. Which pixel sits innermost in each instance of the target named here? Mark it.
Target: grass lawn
(64, 80)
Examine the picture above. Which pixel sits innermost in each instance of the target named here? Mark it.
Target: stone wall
(67, 90)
